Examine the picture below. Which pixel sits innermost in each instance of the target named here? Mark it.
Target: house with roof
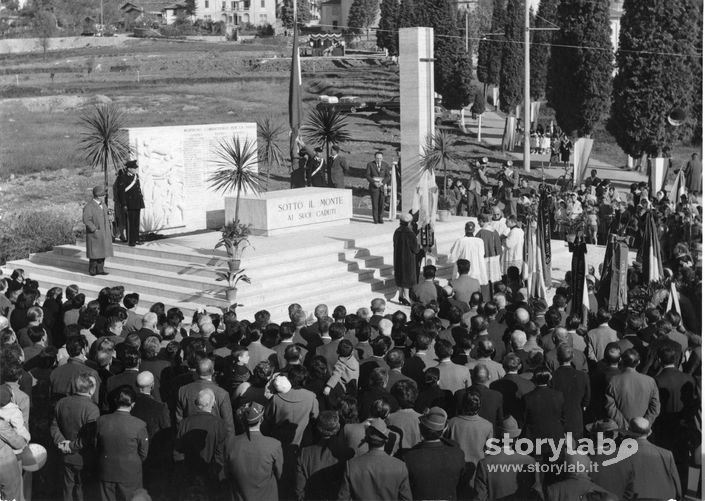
(152, 11)
(238, 12)
(334, 14)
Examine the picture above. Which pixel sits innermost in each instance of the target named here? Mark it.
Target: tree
(479, 22)
(511, 74)
(190, 7)
(541, 48)
(658, 67)
(45, 25)
(581, 65)
(457, 84)
(493, 43)
(269, 133)
(286, 12)
(236, 161)
(441, 151)
(407, 14)
(326, 127)
(362, 14)
(104, 140)
(387, 36)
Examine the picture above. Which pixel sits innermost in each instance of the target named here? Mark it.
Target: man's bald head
(4, 323)
(518, 339)
(522, 316)
(429, 314)
(561, 335)
(205, 399)
(205, 368)
(149, 321)
(480, 374)
(145, 381)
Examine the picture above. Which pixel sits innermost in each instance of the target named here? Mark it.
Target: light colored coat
(513, 249)
(99, 238)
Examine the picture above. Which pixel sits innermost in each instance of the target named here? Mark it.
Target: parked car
(441, 114)
(347, 104)
(392, 104)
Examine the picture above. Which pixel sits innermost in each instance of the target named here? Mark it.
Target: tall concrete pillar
(416, 98)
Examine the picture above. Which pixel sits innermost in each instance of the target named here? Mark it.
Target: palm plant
(269, 152)
(440, 151)
(326, 127)
(237, 162)
(103, 139)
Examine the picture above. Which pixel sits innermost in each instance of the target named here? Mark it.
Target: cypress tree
(511, 75)
(541, 47)
(362, 14)
(580, 71)
(407, 14)
(495, 44)
(387, 36)
(659, 69)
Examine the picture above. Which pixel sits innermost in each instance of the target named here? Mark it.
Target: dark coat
(575, 386)
(99, 237)
(337, 169)
(513, 387)
(571, 489)
(320, 468)
(155, 414)
(631, 395)
(371, 171)
(75, 419)
(491, 404)
(201, 438)
(375, 475)
(186, 402)
(122, 444)
(132, 197)
(435, 469)
(506, 484)
(253, 464)
(406, 246)
(656, 476)
(63, 379)
(617, 478)
(544, 414)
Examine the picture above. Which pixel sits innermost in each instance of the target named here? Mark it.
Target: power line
(541, 44)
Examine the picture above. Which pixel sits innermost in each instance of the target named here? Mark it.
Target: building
(334, 14)
(152, 11)
(616, 11)
(238, 12)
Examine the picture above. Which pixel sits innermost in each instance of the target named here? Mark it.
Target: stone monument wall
(175, 164)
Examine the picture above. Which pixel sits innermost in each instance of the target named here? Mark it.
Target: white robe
(513, 251)
(472, 249)
(500, 226)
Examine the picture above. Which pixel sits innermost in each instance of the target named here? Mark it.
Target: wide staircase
(348, 265)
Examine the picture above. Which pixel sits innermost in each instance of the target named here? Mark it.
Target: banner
(544, 237)
(581, 156)
(617, 298)
(534, 268)
(678, 189)
(650, 253)
(535, 108)
(509, 137)
(578, 277)
(657, 173)
(294, 95)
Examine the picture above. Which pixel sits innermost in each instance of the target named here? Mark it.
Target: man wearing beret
(129, 195)
(99, 239)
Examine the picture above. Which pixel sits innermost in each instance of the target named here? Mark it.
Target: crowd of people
(374, 403)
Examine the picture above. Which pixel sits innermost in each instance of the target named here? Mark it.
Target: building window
(223, 6)
(262, 4)
(206, 4)
(335, 25)
(247, 5)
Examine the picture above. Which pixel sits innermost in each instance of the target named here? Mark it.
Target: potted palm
(236, 171)
(232, 278)
(444, 207)
(440, 152)
(269, 133)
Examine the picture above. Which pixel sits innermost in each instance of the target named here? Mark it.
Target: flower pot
(233, 264)
(443, 215)
(231, 295)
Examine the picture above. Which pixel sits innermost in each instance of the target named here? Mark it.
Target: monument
(417, 108)
(175, 163)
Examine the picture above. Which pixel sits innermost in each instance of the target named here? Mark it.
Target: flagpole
(295, 94)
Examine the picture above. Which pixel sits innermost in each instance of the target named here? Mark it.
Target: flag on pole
(678, 188)
(543, 238)
(579, 297)
(294, 93)
(650, 252)
(533, 270)
(581, 157)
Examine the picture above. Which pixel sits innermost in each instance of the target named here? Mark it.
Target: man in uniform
(129, 195)
(99, 240)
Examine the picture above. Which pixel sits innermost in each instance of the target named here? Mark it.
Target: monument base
(285, 211)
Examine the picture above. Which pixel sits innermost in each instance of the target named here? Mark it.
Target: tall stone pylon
(417, 107)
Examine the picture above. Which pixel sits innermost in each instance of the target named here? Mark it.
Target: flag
(533, 269)
(543, 237)
(658, 168)
(294, 93)
(678, 188)
(650, 253)
(612, 290)
(578, 272)
(581, 157)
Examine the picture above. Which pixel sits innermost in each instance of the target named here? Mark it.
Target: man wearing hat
(99, 239)
(618, 477)
(375, 474)
(436, 464)
(253, 462)
(129, 195)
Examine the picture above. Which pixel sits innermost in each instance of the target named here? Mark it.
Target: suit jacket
(579, 360)
(544, 413)
(571, 489)
(464, 286)
(435, 469)
(372, 171)
(513, 387)
(617, 478)
(281, 348)
(75, 419)
(676, 390)
(598, 339)
(491, 404)
(259, 353)
(329, 352)
(320, 468)
(287, 415)
(122, 443)
(337, 169)
(575, 386)
(454, 377)
(63, 379)
(129, 194)
(253, 465)
(416, 365)
(631, 395)
(375, 475)
(424, 292)
(154, 414)
(395, 375)
(201, 438)
(186, 402)
(133, 322)
(506, 484)
(656, 476)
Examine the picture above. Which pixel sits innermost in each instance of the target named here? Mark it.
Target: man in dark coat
(375, 474)
(130, 197)
(575, 387)
(99, 237)
(62, 380)
(123, 444)
(491, 401)
(253, 462)
(513, 387)
(406, 246)
(616, 477)
(73, 429)
(544, 409)
(631, 394)
(378, 174)
(337, 168)
(435, 465)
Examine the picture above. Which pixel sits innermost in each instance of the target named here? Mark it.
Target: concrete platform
(348, 265)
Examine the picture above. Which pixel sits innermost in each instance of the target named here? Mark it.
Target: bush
(31, 231)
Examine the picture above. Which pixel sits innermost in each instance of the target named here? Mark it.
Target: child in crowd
(346, 369)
